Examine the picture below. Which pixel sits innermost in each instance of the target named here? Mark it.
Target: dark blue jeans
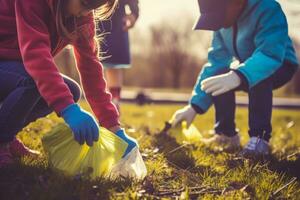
(22, 102)
(260, 105)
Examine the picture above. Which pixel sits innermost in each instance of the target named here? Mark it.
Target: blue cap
(212, 14)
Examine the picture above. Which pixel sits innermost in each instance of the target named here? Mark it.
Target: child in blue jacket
(254, 32)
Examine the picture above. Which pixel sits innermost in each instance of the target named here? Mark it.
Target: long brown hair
(103, 9)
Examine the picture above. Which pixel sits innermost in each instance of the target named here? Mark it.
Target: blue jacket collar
(250, 7)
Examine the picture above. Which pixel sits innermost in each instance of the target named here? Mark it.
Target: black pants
(260, 105)
(22, 102)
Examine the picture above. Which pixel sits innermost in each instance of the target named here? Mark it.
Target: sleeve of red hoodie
(92, 78)
(35, 47)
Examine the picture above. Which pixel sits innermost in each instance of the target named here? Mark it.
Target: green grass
(281, 92)
(192, 171)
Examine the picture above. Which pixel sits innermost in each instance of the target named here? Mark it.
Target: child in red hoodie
(31, 34)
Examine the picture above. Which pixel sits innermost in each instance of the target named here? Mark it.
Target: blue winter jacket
(259, 40)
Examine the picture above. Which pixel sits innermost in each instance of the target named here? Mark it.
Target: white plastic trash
(132, 166)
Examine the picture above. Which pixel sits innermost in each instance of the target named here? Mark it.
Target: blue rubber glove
(132, 143)
(82, 123)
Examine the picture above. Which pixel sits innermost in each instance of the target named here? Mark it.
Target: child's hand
(129, 21)
(187, 114)
(82, 123)
(221, 84)
(132, 143)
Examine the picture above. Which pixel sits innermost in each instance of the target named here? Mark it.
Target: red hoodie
(28, 33)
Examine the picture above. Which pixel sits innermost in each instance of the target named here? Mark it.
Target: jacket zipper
(235, 34)
(60, 41)
(57, 46)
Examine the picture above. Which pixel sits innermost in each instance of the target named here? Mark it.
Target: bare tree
(172, 46)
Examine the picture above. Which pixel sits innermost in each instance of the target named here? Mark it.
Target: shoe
(223, 142)
(18, 149)
(6, 157)
(256, 148)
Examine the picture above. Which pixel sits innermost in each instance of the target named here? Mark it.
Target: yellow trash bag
(182, 134)
(66, 155)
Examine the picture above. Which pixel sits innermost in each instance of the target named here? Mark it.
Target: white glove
(187, 114)
(221, 84)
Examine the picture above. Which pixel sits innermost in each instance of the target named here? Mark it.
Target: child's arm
(271, 41)
(92, 78)
(219, 60)
(35, 47)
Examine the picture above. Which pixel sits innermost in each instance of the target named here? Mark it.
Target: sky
(153, 11)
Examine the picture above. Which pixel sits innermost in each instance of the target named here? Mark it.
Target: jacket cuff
(203, 103)
(197, 109)
(244, 81)
(110, 122)
(59, 107)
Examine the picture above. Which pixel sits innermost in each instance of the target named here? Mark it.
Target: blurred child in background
(116, 45)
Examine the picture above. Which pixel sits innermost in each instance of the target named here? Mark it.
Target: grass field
(175, 170)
